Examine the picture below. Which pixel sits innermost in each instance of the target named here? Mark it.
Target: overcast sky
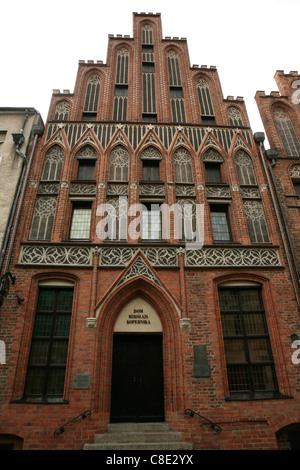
(42, 42)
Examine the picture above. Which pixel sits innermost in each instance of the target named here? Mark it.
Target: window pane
(43, 325)
(81, 221)
(46, 300)
(150, 170)
(264, 377)
(62, 325)
(35, 381)
(220, 226)
(65, 300)
(59, 352)
(250, 299)
(86, 170)
(121, 91)
(49, 355)
(39, 353)
(242, 315)
(238, 378)
(228, 300)
(56, 381)
(231, 325)
(258, 350)
(255, 324)
(213, 173)
(151, 222)
(297, 188)
(235, 350)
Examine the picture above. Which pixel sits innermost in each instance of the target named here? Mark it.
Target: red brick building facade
(127, 314)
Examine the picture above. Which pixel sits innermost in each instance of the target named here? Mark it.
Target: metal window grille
(250, 365)
(49, 346)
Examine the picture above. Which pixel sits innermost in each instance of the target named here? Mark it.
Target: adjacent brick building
(127, 315)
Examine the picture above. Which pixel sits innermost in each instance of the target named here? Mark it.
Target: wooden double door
(137, 393)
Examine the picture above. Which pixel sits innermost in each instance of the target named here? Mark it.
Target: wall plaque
(82, 381)
(201, 367)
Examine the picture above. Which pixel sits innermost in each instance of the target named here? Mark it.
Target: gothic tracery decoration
(118, 164)
(53, 164)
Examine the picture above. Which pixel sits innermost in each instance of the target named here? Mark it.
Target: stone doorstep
(138, 436)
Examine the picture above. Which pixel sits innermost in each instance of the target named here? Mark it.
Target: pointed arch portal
(137, 386)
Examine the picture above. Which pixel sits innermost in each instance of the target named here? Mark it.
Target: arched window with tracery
(176, 90)
(287, 132)
(53, 164)
(62, 111)
(121, 86)
(91, 98)
(235, 117)
(205, 101)
(118, 164)
(295, 176)
(244, 168)
(183, 166)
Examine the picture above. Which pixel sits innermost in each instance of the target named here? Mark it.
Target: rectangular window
(220, 223)
(89, 116)
(297, 187)
(121, 90)
(81, 221)
(250, 365)
(213, 173)
(148, 67)
(86, 170)
(2, 136)
(49, 346)
(149, 118)
(176, 92)
(151, 221)
(150, 170)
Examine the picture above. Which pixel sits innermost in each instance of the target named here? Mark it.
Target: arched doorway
(288, 438)
(137, 385)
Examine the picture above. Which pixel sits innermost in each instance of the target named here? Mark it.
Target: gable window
(220, 223)
(81, 220)
(49, 346)
(205, 101)
(91, 99)
(62, 111)
(250, 365)
(287, 132)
